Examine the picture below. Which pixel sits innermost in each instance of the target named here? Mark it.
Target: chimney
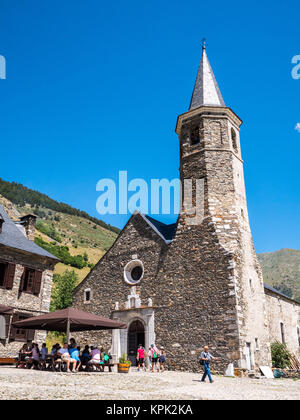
(29, 222)
(1, 223)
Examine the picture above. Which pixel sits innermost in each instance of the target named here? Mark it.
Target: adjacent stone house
(197, 281)
(26, 272)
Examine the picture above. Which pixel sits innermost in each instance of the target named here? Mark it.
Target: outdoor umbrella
(69, 320)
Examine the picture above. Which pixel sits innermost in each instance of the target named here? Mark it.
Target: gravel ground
(34, 385)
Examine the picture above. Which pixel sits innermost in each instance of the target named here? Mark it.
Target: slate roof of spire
(206, 91)
(12, 237)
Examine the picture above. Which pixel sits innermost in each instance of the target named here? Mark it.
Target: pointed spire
(206, 91)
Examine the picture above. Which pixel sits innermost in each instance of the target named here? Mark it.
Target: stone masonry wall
(187, 282)
(218, 159)
(25, 302)
(287, 312)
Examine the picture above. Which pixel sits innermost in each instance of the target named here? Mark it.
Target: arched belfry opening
(136, 336)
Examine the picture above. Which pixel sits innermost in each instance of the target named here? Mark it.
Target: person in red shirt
(141, 357)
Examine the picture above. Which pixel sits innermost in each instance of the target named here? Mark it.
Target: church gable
(132, 261)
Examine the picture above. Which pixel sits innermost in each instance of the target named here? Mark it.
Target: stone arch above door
(120, 337)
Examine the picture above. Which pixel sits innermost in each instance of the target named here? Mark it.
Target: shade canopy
(7, 310)
(76, 320)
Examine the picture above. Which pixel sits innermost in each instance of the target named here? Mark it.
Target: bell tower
(214, 224)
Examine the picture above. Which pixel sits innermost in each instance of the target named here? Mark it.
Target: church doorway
(136, 336)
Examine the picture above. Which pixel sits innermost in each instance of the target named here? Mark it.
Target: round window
(134, 272)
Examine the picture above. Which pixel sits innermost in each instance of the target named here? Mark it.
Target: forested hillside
(20, 196)
(78, 241)
(281, 269)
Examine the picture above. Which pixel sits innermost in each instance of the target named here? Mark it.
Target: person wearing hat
(162, 359)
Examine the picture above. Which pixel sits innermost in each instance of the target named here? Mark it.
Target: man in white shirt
(65, 356)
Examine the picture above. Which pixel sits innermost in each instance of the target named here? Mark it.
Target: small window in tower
(298, 333)
(242, 212)
(282, 332)
(234, 140)
(256, 344)
(87, 295)
(195, 137)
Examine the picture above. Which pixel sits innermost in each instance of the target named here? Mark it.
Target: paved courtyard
(34, 385)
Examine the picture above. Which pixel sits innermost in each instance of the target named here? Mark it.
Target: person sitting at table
(55, 349)
(23, 353)
(22, 356)
(106, 358)
(85, 357)
(72, 343)
(44, 351)
(65, 356)
(95, 355)
(74, 353)
(35, 356)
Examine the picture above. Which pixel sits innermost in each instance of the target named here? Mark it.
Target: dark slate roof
(279, 293)
(12, 237)
(206, 91)
(165, 231)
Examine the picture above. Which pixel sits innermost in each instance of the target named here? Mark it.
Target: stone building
(197, 281)
(26, 272)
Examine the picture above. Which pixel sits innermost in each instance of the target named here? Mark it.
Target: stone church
(188, 284)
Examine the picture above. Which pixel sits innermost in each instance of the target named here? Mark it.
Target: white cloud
(297, 128)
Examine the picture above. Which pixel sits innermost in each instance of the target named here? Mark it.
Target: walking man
(206, 357)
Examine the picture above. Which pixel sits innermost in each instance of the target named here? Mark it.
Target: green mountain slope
(20, 196)
(281, 269)
(79, 241)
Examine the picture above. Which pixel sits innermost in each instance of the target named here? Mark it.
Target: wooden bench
(7, 361)
(109, 365)
(95, 367)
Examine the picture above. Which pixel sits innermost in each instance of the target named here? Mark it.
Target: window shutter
(37, 282)
(30, 335)
(13, 330)
(22, 280)
(9, 276)
(7, 324)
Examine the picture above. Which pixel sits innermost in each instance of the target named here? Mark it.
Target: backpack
(202, 361)
(106, 358)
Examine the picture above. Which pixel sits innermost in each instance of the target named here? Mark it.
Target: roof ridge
(12, 237)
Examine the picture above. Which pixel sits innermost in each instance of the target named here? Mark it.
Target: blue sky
(95, 87)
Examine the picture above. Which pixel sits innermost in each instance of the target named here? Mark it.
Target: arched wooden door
(136, 336)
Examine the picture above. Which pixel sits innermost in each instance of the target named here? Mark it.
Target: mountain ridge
(20, 195)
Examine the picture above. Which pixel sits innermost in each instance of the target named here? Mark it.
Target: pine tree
(62, 290)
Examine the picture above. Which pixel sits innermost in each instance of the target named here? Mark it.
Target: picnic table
(55, 363)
